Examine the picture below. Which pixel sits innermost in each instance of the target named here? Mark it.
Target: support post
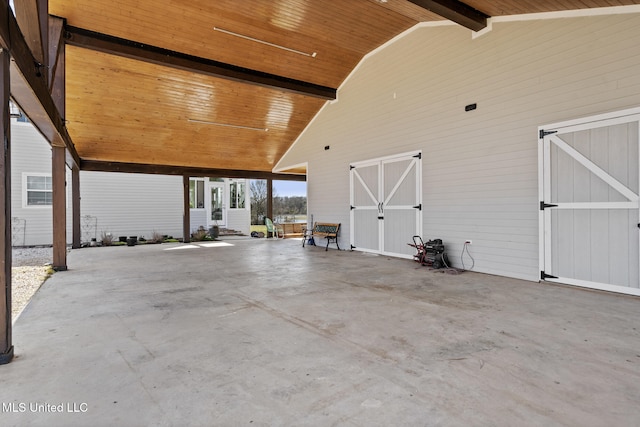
(75, 208)
(58, 172)
(186, 217)
(6, 347)
(270, 198)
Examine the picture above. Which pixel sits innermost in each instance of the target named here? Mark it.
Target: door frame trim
(546, 134)
(380, 162)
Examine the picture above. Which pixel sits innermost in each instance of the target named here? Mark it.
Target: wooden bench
(292, 229)
(322, 229)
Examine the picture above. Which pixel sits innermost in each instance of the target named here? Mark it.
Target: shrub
(156, 237)
(107, 238)
(199, 234)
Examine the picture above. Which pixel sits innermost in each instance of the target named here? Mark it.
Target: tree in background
(258, 189)
(285, 209)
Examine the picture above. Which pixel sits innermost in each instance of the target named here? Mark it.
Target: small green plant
(107, 239)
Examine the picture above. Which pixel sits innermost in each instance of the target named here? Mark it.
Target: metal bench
(322, 229)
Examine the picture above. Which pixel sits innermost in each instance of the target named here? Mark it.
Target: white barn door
(386, 209)
(589, 212)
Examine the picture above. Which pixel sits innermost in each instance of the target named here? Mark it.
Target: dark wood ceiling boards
(123, 106)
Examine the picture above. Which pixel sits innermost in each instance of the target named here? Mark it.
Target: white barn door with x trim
(386, 207)
(589, 213)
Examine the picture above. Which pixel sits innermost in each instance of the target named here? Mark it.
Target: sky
(290, 188)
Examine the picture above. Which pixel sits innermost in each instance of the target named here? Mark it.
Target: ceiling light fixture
(227, 125)
(288, 49)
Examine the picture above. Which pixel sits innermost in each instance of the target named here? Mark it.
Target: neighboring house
(437, 133)
(117, 203)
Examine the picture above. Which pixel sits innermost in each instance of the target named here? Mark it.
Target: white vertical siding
(31, 154)
(197, 219)
(132, 204)
(123, 204)
(239, 220)
(479, 167)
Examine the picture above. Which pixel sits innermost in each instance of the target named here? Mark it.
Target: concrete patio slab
(264, 332)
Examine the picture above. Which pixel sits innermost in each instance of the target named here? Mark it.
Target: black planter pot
(132, 240)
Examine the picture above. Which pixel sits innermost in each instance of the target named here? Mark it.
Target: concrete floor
(264, 332)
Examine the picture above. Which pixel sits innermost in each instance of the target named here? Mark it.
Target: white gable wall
(479, 167)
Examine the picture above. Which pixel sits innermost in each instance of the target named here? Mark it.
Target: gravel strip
(40, 255)
(29, 271)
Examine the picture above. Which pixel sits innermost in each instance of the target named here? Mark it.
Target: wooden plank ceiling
(125, 105)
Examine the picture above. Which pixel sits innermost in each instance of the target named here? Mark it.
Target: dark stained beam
(32, 17)
(6, 347)
(456, 11)
(269, 200)
(76, 232)
(59, 208)
(57, 63)
(156, 55)
(186, 216)
(29, 88)
(102, 166)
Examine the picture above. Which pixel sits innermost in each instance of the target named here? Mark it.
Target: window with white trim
(38, 190)
(237, 194)
(196, 193)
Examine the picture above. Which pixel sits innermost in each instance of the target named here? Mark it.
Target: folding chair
(272, 228)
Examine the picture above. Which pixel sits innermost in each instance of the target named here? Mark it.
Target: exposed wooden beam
(29, 88)
(102, 166)
(32, 17)
(456, 11)
(142, 52)
(6, 347)
(57, 63)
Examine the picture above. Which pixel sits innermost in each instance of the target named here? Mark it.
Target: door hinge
(419, 207)
(352, 207)
(352, 247)
(545, 276)
(351, 167)
(418, 156)
(544, 133)
(544, 205)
